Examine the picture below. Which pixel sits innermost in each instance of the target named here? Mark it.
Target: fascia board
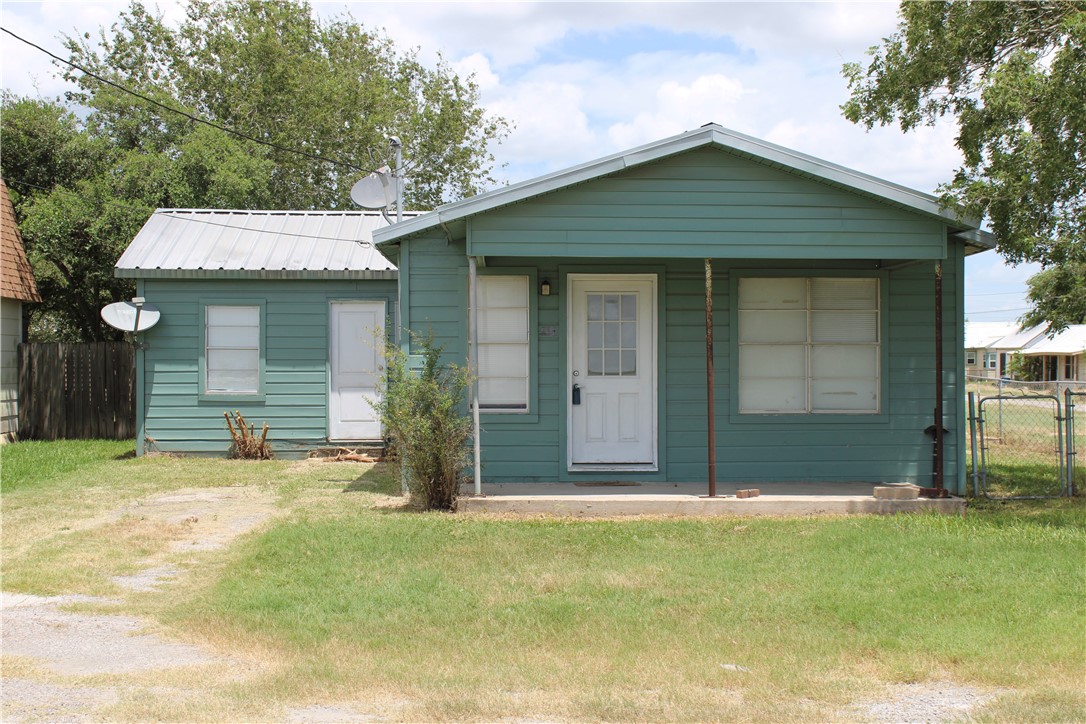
(840, 175)
(710, 135)
(501, 197)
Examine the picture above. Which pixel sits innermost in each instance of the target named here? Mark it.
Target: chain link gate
(1022, 452)
(1074, 407)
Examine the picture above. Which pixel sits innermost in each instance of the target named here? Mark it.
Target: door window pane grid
(612, 335)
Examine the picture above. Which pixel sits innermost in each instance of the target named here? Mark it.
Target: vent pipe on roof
(397, 145)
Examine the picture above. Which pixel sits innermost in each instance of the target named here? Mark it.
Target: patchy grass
(346, 599)
(618, 620)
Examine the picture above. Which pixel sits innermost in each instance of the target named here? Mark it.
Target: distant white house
(1061, 356)
(989, 347)
(981, 357)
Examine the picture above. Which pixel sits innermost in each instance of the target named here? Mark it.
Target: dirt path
(56, 658)
(66, 647)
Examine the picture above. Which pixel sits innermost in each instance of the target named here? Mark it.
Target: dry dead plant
(247, 445)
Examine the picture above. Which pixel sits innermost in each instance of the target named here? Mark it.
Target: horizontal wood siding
(439, 291)
(892, 448)
(706, 203)
(295, 371)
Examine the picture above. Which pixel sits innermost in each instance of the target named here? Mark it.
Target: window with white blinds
(809, 345)
(504, 362)
(232, 349)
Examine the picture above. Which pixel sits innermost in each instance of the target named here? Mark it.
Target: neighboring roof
(16, 278)
(981, 335)
(1020, 340)
(262, 244)
(709, 135)
(1071, 340)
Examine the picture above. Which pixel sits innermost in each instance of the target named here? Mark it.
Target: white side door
(611, 380)
(356, 333)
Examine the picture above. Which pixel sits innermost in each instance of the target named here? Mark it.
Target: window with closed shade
(809, 345)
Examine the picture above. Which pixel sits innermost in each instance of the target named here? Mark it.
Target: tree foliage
(88, 171)
(1013, 74)
(1058, 296)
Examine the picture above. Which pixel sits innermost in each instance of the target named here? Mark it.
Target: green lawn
(455, 617)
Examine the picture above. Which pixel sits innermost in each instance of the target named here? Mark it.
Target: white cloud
(679, 107)
(477, 67)
(771, 70)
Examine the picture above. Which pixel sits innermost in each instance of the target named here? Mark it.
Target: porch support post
(473, 366)
(710, 385)
(939, 376)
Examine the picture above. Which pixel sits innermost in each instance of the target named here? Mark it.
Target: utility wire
(186, 114)
(172, 213)
(997, 294)
(1000, 311)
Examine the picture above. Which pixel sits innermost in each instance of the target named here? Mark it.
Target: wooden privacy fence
(77, 391)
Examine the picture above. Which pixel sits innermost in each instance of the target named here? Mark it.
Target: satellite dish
(126, 315)
(374, 191)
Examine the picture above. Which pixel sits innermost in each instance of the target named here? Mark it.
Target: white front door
(356, 334)
(611, 379)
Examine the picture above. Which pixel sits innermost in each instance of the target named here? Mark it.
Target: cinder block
(886, 492)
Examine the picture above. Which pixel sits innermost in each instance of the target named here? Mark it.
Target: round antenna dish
(122, 316)
(374, 191)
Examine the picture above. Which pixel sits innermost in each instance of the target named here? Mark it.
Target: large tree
(313, 101)
(1013, 75)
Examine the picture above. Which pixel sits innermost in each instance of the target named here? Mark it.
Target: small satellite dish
(124, 316)
(374, 191)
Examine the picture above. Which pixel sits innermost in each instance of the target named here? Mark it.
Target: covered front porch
(592, 500)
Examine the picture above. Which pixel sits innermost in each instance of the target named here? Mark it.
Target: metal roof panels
(261, 244)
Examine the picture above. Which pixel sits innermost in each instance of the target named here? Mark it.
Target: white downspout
(473, 366)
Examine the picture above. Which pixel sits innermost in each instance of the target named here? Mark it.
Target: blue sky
(582, 80)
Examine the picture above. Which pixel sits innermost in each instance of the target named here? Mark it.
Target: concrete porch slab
(685, 499)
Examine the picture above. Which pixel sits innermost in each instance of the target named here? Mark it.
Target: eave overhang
(711, 135)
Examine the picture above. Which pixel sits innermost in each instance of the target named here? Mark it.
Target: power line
(196, 220)
(999, 311)
(186, 114)
(997, 294)
(365, 244)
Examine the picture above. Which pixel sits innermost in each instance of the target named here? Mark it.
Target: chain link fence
(1075, 440)
(1019, 445)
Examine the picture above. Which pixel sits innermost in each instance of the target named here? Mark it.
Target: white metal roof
(1020, 340)
(710, 134)
(207, 242)
(1071, 340)
(981, 335)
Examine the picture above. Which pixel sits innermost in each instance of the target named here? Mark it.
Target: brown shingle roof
(16, 279)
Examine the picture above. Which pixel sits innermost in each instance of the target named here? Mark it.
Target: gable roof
(1071, 340)
(16, 277)
(981, 335)
(192, 243)
(1020, 339)
(710, 135)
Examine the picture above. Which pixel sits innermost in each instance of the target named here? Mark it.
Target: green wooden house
(277, 314)
(580, 298)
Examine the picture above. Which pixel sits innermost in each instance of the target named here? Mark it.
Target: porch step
(589, 506)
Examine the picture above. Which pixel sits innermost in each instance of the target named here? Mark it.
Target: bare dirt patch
(81, 644)
(212, 516)
(73, 645)
(924, 703)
